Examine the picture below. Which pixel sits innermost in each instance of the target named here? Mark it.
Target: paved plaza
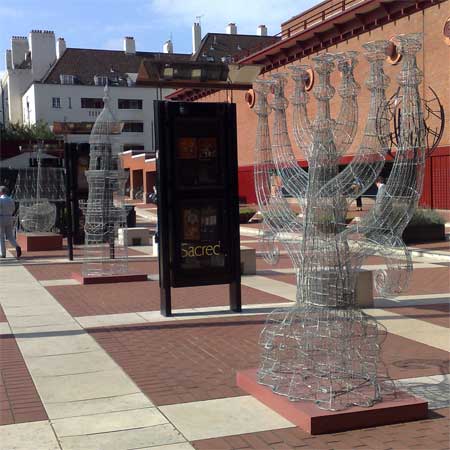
(95, 367)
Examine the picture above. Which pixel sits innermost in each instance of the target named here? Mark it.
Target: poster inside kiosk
(198, 211)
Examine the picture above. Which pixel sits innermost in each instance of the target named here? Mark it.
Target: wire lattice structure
(325, 348)
(37, 188)
(103, 211)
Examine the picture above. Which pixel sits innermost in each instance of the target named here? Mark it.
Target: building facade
(339, 26)
(47, 82)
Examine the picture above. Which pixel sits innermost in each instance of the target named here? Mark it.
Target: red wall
(436, 184)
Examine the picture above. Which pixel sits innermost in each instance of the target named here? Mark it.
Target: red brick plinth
(305, 414)
(102, 279)
(38, 242)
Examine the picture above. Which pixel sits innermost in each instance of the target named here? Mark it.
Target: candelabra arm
(274, 208)
(395, 207)
(303, 134)
(369, 160)
(346, 124)
(294, 178)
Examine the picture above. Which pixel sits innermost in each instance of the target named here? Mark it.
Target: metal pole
(69, 224)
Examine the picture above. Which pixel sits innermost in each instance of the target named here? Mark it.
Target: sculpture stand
(394, 408)
(39, 241)
(103, 279)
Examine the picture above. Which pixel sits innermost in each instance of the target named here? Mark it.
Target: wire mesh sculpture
(325, 348)
(37, 189)
(103, 211)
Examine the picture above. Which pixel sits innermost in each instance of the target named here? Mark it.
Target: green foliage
(20, 132)
(245, 214)
(423, 216)
(247, 210)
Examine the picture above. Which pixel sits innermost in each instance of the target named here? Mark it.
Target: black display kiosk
(198, 207)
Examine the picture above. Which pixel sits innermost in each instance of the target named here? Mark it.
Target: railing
(318, 14)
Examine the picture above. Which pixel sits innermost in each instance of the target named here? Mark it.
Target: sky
(102, 24)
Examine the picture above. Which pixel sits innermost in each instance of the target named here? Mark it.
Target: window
(127, 147)
(125, 103)
(133, 127)
(67, 79)
(100, 80)
(92, 103)
(56, 102)
(70, 102)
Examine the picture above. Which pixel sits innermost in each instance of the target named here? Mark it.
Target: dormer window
(100, 80)
(67, 79)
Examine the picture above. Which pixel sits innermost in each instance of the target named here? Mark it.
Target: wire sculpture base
(37, 216)
(329, 356)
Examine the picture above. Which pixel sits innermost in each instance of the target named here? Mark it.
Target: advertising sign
(198, 211)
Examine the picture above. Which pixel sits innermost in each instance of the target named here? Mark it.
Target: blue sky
(102, 24)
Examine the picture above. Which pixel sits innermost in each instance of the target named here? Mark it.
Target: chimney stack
(196, 36)
(231, 28)
(261, 30)
(19, 48)
(168, 47)
(129, 45)
(8, 60)
(60, 47)
(43, 52)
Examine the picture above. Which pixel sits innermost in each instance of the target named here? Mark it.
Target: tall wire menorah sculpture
(325, 348)
(37, 189)
(103, 211)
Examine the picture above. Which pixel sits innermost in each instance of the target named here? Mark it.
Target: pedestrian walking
(7, 208)
(357, 187)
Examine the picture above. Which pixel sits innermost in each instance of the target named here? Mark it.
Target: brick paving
(437, 314)
(427, 281)
(19, 400)
(183, 362)
(64, 271)
(423, 281)
(142, 296)
(429, 434)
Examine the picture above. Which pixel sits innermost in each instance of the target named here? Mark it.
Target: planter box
(424, 233)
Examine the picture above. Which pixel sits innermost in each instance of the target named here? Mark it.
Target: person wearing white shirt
(7, 208)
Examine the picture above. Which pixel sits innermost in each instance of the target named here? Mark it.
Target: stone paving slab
(108, 422)
(55, 318)
(70, 364)
(28, 436)
(98, 405)
(124, 440)
(84, 386)
(63, 282)
(223, 417)
(4, 328)
(180, 446)
(435, 389)
(44, 345)
(417, 330)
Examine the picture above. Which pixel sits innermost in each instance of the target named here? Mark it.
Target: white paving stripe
(271, 286)
(66, 368)
(221, 417)
(4, 328)
(178, 315)
(414, 329)
(28, 436)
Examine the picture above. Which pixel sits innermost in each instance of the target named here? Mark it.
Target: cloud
(216, 15)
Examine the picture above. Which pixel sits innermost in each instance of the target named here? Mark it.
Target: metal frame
(325, 348)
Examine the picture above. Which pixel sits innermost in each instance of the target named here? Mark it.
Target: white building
(45, 81)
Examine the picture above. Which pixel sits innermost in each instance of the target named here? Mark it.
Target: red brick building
(343, 25)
